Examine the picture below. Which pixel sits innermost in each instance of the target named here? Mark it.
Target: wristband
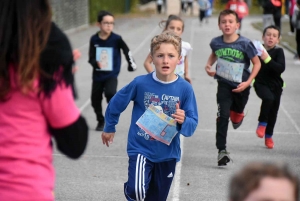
(267, 60)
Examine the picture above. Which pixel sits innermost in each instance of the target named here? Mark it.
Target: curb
(289, 48)
(283, 44)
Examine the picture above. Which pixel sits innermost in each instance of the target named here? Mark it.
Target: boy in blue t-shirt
(151, 162)
(233, 54)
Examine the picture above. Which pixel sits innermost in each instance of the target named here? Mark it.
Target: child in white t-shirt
(176, 25)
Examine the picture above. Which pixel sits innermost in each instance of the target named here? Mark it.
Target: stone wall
(70, 14)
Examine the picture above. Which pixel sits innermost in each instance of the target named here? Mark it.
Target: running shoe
(269, 143)
(223, 158)
(100, 126)
(261, 129)
(236, 119)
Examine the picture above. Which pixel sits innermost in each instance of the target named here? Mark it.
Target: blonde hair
(165, 37)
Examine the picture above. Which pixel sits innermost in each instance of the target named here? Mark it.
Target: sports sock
(262, 123)
(268, 136)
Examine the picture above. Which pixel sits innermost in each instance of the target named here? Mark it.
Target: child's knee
(223, 113)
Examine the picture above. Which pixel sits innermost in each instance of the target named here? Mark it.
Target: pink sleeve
(60, 109)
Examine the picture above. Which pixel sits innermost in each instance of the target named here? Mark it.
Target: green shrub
(113, 6)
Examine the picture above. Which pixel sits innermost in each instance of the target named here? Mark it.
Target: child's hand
(75, 69)
(99, 64)
(107, 138)
(264, 55)
(131, 67)
(208, 71)
(241, 87)
(76, 56)
(187, 78)
(179, 115)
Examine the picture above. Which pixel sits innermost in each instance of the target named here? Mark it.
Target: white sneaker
(291, 33)
(297, 62)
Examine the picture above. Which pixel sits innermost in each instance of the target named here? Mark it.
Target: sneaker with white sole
(223, 158)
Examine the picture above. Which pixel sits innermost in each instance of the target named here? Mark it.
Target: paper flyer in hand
(105, 57)
(259, 47)
(158, 125)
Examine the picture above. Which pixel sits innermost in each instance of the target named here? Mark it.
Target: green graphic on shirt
(229, 54)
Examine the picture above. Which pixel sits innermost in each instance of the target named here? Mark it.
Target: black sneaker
(223, 158)
(100, 126)
(236, 125)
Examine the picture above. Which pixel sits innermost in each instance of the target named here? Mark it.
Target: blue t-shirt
(240, 52)
(143, 91)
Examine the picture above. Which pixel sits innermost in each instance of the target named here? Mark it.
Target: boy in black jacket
(105, 58)
(268, 83)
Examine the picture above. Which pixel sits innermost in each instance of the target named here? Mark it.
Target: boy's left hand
(241, 87)
(264, 55)
(179, 115)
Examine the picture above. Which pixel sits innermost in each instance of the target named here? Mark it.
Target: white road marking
(176, 189)
(83, 46)
(86, 103)
(290, 118)
(149, 36)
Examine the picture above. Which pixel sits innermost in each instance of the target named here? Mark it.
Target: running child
(175, 24)
(105, 58)
(231, 51)
(268, 84)
(150, 160)
(204, 5)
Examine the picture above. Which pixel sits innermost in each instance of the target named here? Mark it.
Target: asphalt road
(101, 172)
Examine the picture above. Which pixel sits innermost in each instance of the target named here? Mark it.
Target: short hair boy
(152, 163)
(106, 64)
(269, 84)
(233, 54)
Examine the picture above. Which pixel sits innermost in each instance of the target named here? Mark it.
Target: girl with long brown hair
(36, 100)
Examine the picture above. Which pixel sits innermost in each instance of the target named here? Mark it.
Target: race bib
(229, 70)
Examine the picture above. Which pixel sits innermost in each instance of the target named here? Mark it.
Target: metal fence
(70, 14)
